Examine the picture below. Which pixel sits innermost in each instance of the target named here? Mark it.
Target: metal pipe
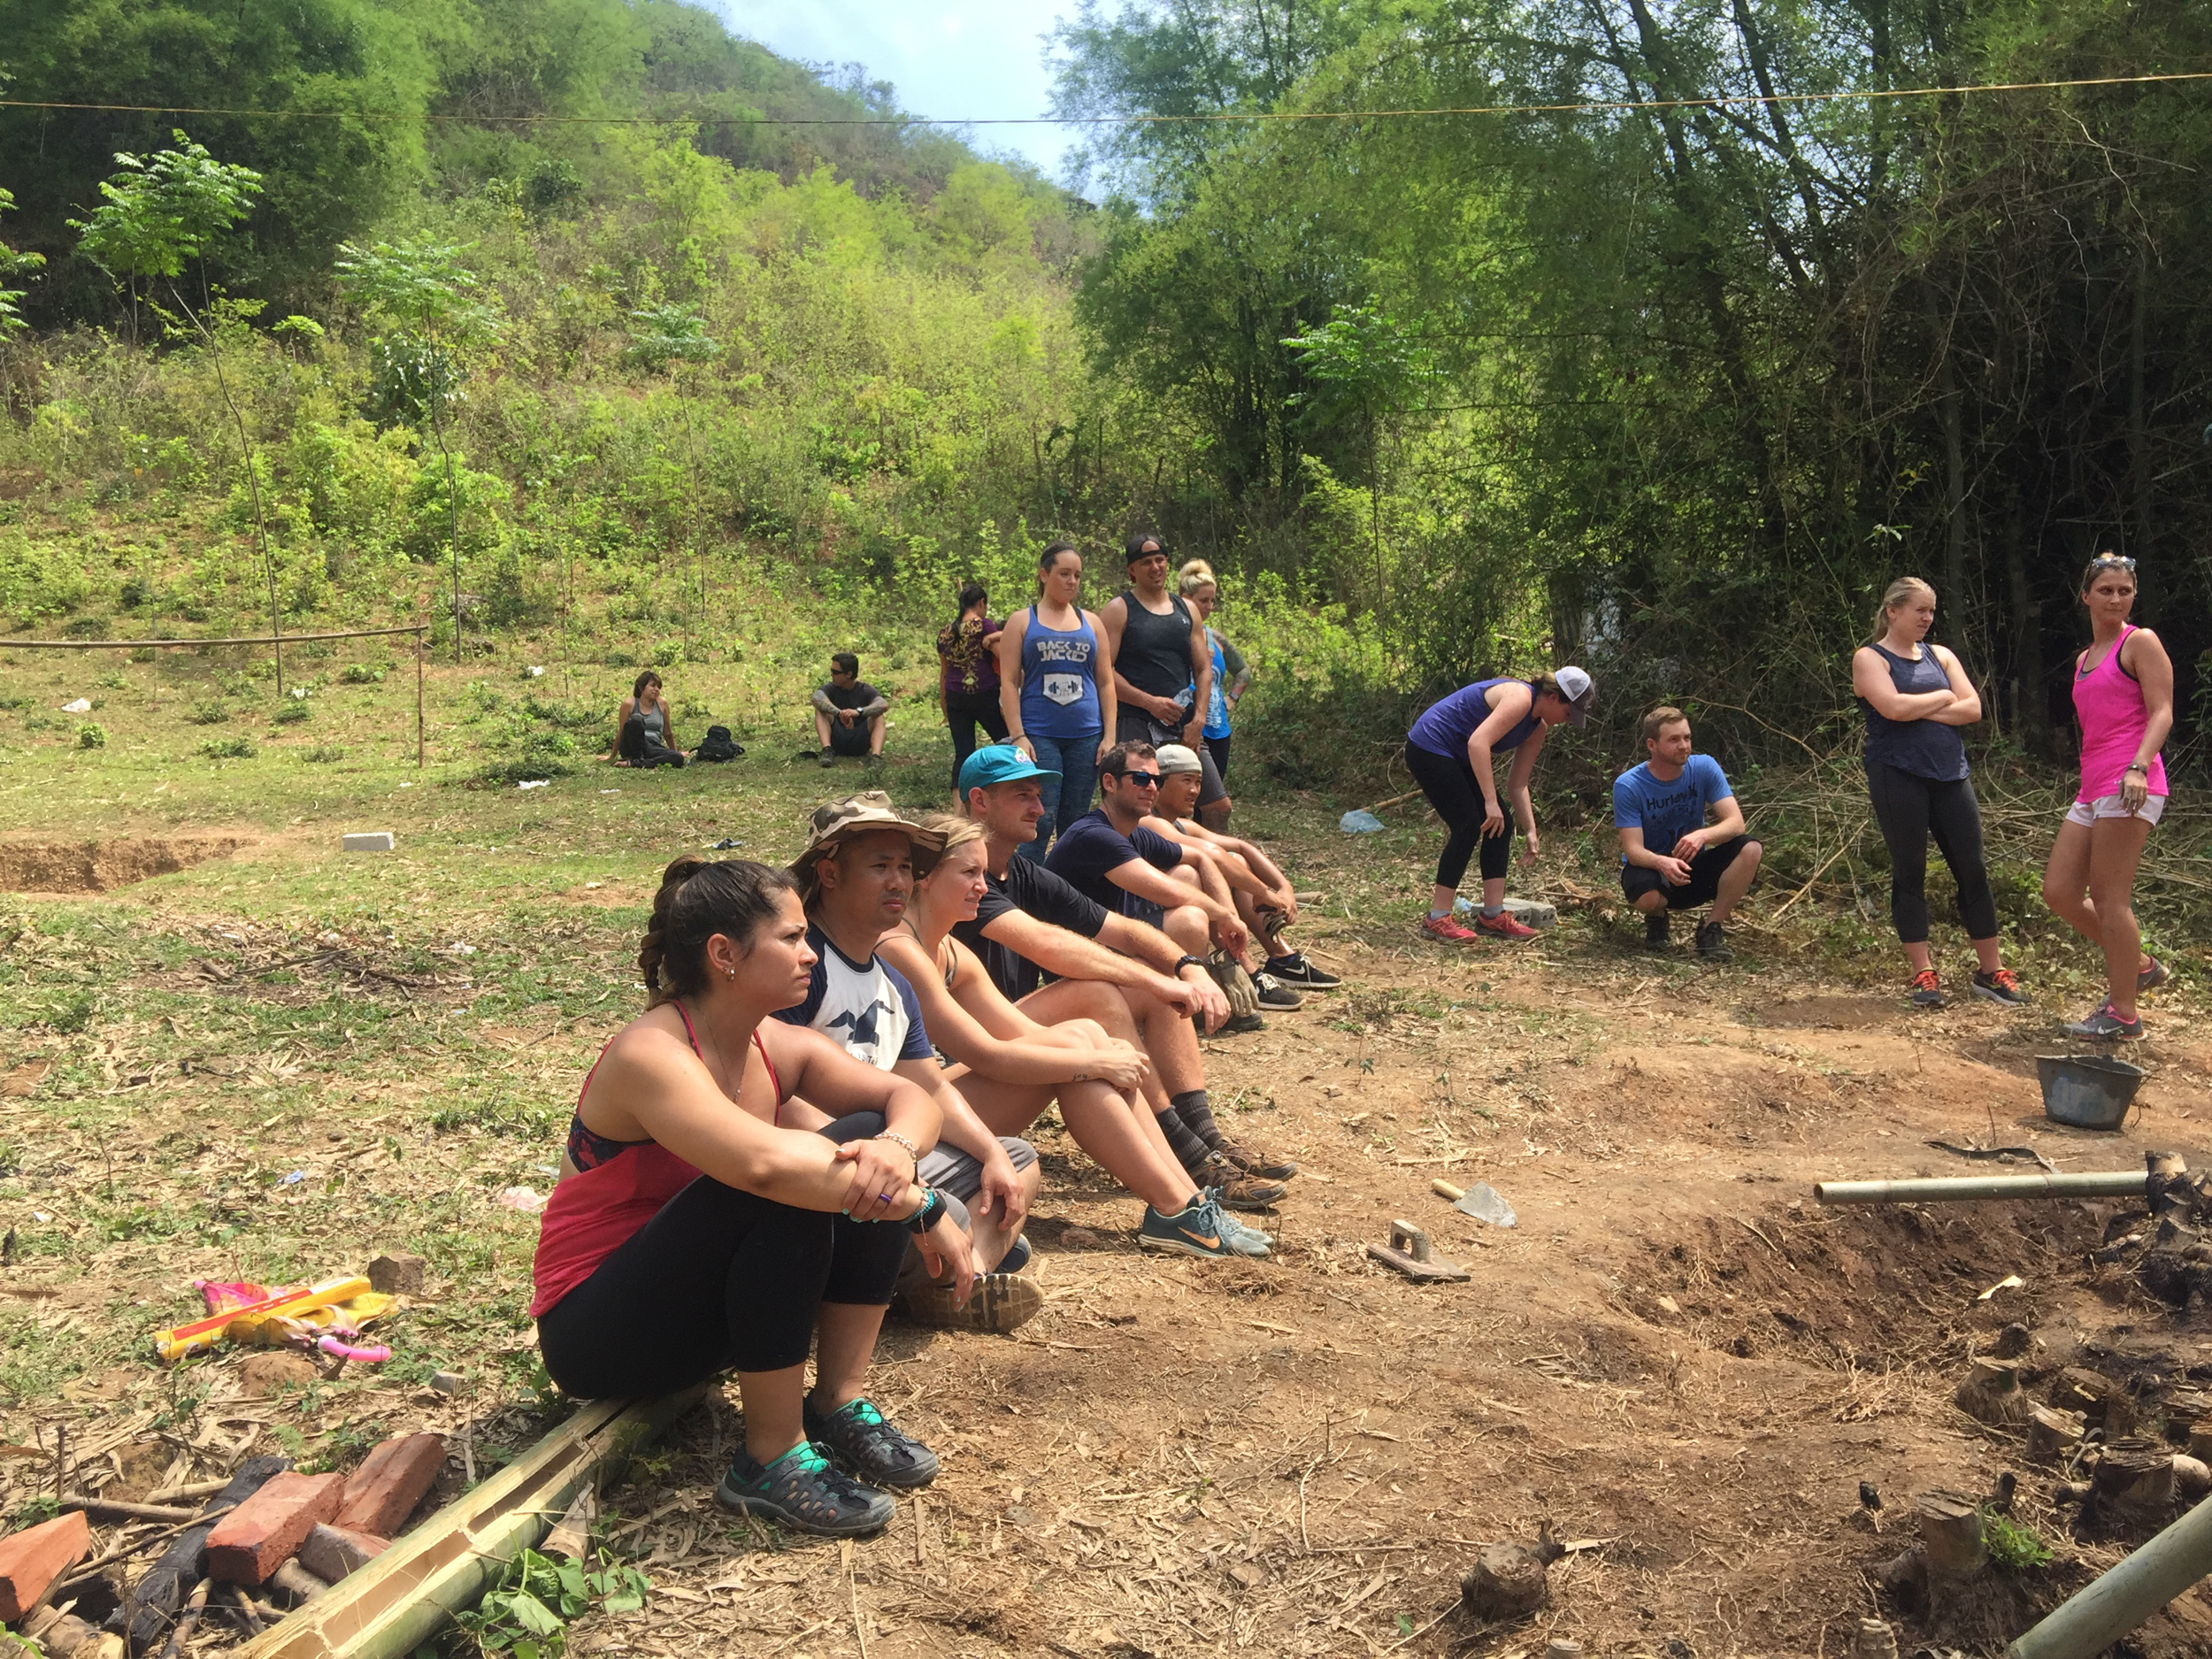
(1954, 1189)
(2100, 1614)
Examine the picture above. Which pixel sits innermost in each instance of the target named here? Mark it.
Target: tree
(160, 212)
(667, 339)
(434, 324)
(13, 264)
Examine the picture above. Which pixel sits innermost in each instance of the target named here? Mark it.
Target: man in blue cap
(1130, 977)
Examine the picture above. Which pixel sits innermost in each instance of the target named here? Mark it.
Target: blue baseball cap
(999, 763)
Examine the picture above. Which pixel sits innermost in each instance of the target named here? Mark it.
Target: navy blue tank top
(1925, 749)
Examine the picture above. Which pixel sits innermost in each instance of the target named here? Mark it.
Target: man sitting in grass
(849, 712)
(1671, 859)
(854, 879)
(1261, 891)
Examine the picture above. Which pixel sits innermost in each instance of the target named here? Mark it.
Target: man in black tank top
(1163, 671)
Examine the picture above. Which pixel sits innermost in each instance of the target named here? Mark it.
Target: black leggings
(963, 714)
(1219, 747)
(640, 748)
(1452, 790)
(1908, 808)
(719, 1280)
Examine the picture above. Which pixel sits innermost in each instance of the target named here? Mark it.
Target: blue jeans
(1068, 796)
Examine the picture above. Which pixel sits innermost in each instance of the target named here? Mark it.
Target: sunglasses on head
(2112, 561)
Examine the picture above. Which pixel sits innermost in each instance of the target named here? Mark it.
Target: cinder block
(1530, 912)
(31, 1560)
(369, 842)
(391, 1481)
(258, 1536)
(397, 1273)
(332, 1552)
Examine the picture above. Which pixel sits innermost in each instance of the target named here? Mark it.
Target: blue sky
(948, 58)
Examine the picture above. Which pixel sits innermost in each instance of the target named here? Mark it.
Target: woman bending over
(1917, 696)
(692, 1232)
(1010, 1068)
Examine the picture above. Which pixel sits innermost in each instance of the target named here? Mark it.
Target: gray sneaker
(1239, 1239)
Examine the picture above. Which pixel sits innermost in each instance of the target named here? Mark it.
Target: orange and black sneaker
(1504, 924)
(2000, 985)
(1927, 989)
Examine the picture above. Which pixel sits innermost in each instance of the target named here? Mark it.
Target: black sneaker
(801, 1491)
(1656, 926)
(2000, 986)
(1296, 969)
(1711, 946)
(857, 1436)
(1274, 992)
(2150, 979)
(829, 756)
(1238, 1024)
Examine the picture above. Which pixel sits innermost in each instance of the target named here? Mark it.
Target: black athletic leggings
(719, 1280)
(963, 714)
(1908, 808)
(1452, 790)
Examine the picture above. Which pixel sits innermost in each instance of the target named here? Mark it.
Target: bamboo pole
(241, 639)
(1952, 1189)
(2100, 1613)
(391, 1606)
(422, 649)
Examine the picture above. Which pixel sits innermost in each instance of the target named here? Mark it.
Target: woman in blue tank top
(1917, 696)
(1059, 708)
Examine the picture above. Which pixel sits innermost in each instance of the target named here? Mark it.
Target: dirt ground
(1677, 1359)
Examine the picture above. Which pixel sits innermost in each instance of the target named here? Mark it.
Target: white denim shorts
(2087, 812)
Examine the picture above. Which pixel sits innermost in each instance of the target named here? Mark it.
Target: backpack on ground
(717, 745)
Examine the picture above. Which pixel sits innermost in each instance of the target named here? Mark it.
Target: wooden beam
(391, 1606)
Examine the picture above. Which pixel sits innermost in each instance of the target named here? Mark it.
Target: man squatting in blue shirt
(1671, 859)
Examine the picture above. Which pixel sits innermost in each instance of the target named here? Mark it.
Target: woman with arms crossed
(1012, 1068)
(1057, 695)
(691, 1234)
(1451, 753)
(2123, 696)
(1917, 696)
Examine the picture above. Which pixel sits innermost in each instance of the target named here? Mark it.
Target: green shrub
(530, 754)
(229, 748)
(291, 713)
(322, 754)
(2013, 1544)
(209, 712)
(92, 735)
(363, 674)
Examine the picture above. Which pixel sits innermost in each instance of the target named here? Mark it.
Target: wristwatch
(1189, 962)
(929, 1214)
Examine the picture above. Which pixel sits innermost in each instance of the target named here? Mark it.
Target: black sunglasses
(1140, 779)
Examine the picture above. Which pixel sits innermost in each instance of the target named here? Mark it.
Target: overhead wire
(1598, 106)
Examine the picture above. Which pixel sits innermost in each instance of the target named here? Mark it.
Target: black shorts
(848, 740)
(1700, 888)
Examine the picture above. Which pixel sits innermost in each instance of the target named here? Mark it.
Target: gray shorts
(952, 1170)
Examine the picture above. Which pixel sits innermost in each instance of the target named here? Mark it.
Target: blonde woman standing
(1917, 696)
(1199, 587)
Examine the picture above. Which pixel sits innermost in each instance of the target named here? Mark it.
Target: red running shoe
(1446, 929)
(1502, 925)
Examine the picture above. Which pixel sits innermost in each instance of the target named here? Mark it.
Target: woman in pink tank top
(2123, 696)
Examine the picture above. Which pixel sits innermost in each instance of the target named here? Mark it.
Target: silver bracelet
(897, 1139)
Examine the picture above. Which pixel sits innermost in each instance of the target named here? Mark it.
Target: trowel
(1481, 1200)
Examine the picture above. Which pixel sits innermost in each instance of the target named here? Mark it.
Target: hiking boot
(801, 1491)
(1447, 930)
(1194, 1230)
(1711, 945)
(829, 755)
(865, 1444)
(1927, 989)
(1252, 1161)
(1274, 992)
(1240, 1239)
(2150, 979)
(1236, 1024)
(1504, 924)
(1657, 925)
(1295, 969)
(2107, 1026)
(998, 1303)
(1238, 1190)
(2000, 985)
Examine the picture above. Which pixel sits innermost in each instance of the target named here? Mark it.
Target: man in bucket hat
(855, 876)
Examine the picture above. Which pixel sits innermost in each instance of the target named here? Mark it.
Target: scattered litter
(460, 949)
(545, 1169)
(293, 1180)
(2010, 1281)
(523, 1198)
(535, 783)
(41, 1215)
(1359, 821)
(724, 845)
(328, 938)
(299, 694)
(536, 671)
(257, 1317)
(1974, 1150)
(611, 792)
(592, 886)
(82, 705)
(407, 786)
(1481, 1200)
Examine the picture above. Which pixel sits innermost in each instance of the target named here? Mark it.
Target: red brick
(332, 1552)
(391, 1481)
(31, 1560)
(258, 1536)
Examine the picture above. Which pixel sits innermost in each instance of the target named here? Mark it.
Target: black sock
(1189, 1150)
(1198, 1115)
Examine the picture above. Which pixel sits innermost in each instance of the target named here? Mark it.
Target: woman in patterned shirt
(968, 658)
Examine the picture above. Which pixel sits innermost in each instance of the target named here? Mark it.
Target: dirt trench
(100, 866)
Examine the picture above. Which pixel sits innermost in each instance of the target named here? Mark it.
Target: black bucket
(2089, 1091)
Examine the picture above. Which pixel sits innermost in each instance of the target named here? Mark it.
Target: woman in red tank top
(692, 1233)
(2124, 696)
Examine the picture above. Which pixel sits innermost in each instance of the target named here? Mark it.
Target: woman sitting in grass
(685, 1239)
(1010, 1068)
(645, 734)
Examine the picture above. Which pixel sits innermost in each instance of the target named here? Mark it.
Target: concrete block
(258, 1536)
(391, 1481)
(332, 1552)
(32, 1559)
(369, 842)
(1528, 912)
(397, 1273)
